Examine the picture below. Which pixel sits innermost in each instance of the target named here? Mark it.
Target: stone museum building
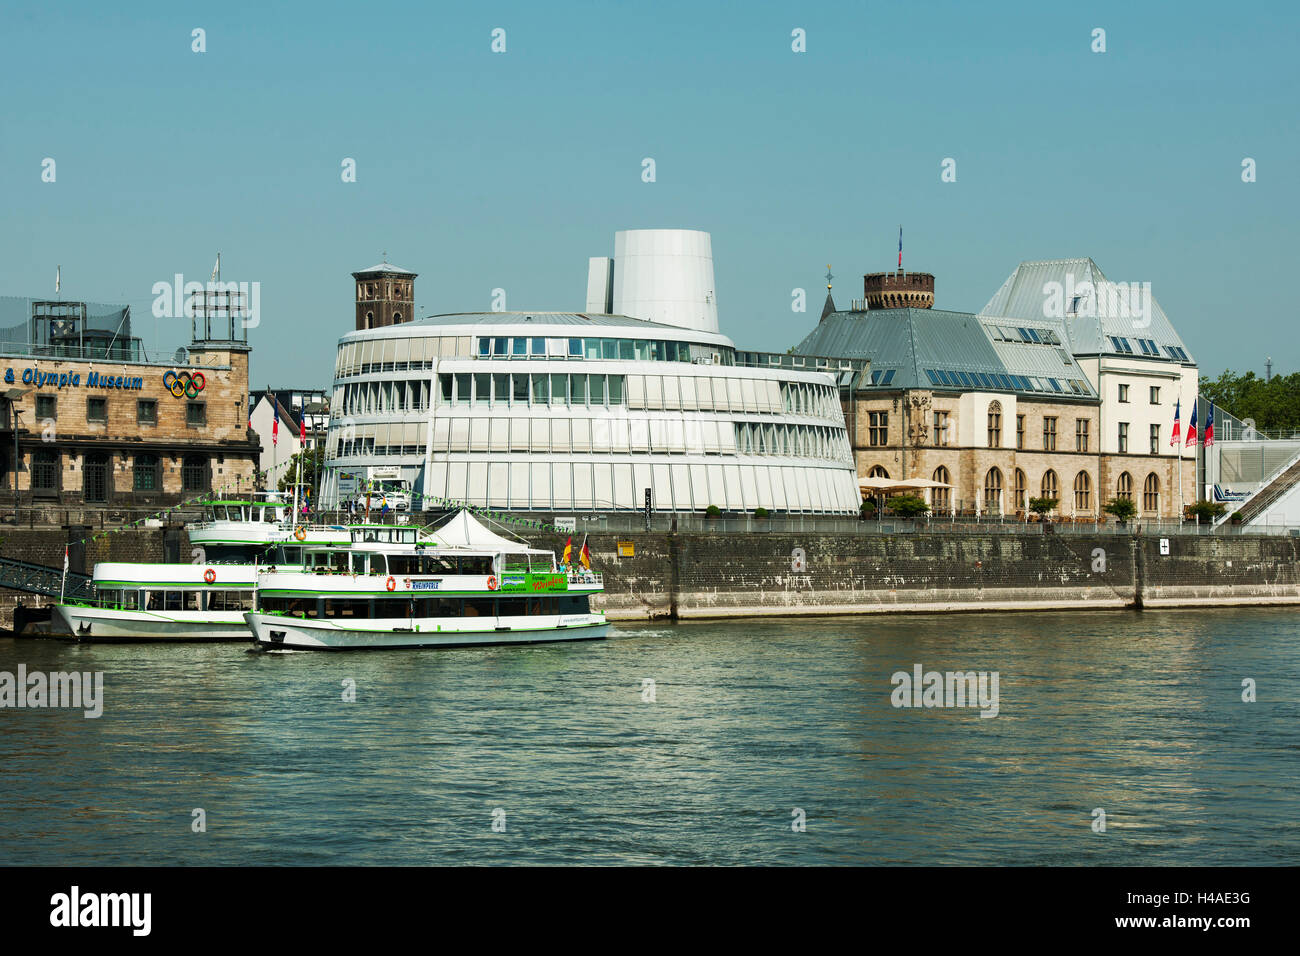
(88, 418)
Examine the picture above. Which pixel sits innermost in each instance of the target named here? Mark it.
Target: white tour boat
(461, 585)
(204, 600)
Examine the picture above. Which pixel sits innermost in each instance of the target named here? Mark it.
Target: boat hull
(105, 624)
(271, 631)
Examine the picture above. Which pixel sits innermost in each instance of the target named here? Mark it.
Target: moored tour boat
(461, 585)
(204, 600)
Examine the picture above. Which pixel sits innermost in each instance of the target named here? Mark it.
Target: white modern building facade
(561, 412)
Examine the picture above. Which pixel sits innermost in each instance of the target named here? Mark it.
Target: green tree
(1122, 508)
(313, 464)
(1205, 511)
(1041, 506)
(908, 506)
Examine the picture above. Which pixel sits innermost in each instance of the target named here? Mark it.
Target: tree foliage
(1041, 506)
(908, 506)
(1273, 404)
(1122, 508)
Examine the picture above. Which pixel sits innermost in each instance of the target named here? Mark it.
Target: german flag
(568, 552)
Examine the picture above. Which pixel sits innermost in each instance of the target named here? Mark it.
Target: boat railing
(586, 577)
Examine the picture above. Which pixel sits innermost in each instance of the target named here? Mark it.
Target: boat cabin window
(334, 561)
(230, 600)
(367, 562)
(383, 534)
(173, 601)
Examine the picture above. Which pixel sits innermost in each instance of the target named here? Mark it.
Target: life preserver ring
(390, 583)
(492, 582)
(300, 533)
(209, 575)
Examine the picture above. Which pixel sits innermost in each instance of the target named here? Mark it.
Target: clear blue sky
(482, 170)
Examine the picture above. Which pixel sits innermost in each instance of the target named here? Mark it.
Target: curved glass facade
(525, 411)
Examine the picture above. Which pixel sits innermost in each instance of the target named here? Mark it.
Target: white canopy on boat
(463, 530)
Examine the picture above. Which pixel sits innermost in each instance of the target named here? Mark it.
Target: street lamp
(12, 395)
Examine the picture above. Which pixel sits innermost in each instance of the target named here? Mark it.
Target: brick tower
(385, 296)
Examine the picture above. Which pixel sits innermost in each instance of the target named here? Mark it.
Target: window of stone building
(941, 428)
(196, 414)
(1018, 485)
(148, 472)
(993, 490)
(1123, 438)
(146, 411)
(877, 471)
(45, 470)
(46, 407)
(1155, 439)
(1151, 493)
(1020, 431)
(995, 425)
(878, 428)
(97, 410)
(1050, 488)
(1155, 394)
(95, 477)
(941, 498)
(195, 473)
(1081, 434)
(1082, 492)
(1123, 393)
(1049, 434)
(1124, 487)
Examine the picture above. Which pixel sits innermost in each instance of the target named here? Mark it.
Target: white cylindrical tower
(665, 275)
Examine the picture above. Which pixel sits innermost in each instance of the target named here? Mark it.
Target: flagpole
(64, 583)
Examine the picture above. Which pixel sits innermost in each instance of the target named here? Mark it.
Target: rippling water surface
(1138, 714)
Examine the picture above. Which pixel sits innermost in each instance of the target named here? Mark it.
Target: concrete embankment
(698, 575)
(683, 576)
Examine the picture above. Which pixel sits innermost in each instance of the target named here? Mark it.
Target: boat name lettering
(425, 585)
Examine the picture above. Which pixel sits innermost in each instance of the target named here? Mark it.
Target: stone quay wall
(731, 574)
(680, 576)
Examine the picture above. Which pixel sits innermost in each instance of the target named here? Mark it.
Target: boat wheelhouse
(389, 588)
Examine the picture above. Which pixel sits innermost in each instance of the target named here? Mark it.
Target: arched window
(1050, 487)
(1124, 488)
(995, 424)
(993, 490)
(397, 317)
(877, 472)
(1082, 492)
(148, 473)
(1151, 493)
(370, 320)
(194, 473)
(1018, 490)
(940, 498)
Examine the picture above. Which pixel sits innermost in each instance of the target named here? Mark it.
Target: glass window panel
(616, 390)
(560, 389)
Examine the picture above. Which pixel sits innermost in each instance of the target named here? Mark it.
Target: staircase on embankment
(1277, 487)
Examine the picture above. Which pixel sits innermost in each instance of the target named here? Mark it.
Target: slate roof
(958, 351)
(1093, 308)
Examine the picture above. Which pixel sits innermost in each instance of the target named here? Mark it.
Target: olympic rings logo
(184, 383)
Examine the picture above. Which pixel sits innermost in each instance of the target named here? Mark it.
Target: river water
(750, 729)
